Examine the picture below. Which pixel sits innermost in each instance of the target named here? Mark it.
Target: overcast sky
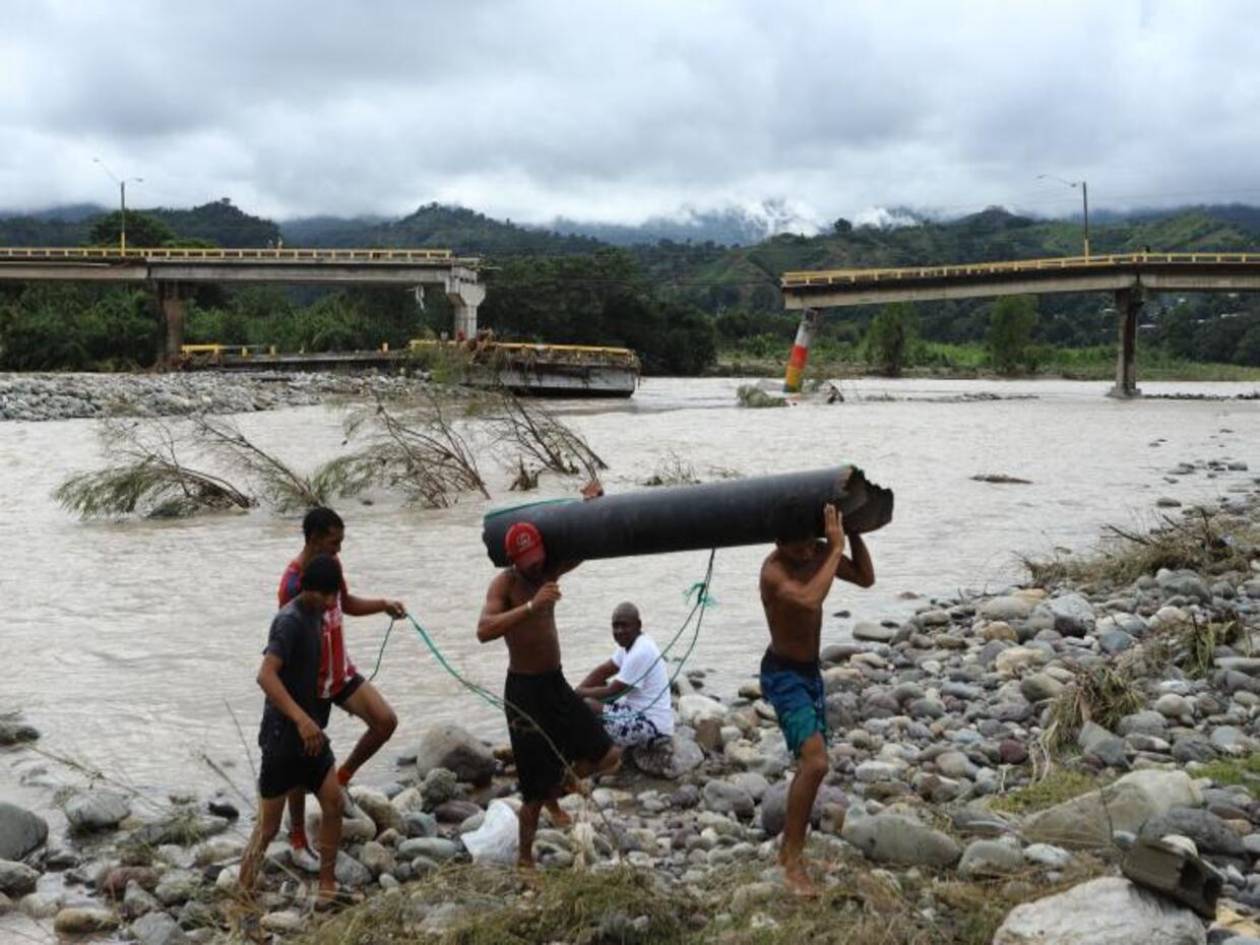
(621, 110)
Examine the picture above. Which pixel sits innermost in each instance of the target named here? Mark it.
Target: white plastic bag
(495, 841)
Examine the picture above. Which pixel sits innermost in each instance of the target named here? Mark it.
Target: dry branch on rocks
(1204, 540)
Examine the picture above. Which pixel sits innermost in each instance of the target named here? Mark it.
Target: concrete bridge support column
(1128, 307)
(465, 297)
(172, 307)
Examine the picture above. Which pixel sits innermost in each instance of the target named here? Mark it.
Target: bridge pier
(1128, 308)
(465, 297)
(800, 352)
(173, 308)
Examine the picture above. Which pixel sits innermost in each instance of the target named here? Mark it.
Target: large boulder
(96, 810)
(81, 920)
(774, 805)
(350, 872)
(988, 858)
(890, 838)
(1184, 584)
(378, 807)
(1211, 835)
(1108, 911)
(726, 798)
(1089, 820)
(668, 759)
(1097, 742)
(694, 708)
(456, 749)
(17, 879)
(1008, 608)
(158, 928)
(21, 832)
(874, 632)
(1071, 615)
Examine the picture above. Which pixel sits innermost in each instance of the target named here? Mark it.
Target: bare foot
(610, 763)
(798, 880)
(572, 785)
(327, 899)
(557, 815)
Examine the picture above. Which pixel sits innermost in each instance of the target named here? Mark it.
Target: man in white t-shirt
(630, 691)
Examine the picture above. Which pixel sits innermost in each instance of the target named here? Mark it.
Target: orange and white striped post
(800, 352)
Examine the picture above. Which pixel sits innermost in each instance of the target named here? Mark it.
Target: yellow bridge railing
(828, 277)
(198, 254)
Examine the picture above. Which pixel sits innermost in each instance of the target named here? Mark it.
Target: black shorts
(282, 772)
(324, 708)
(546, 716)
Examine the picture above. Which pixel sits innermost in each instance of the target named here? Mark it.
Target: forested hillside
(680, 303)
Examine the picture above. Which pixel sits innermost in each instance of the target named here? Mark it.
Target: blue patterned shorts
(628, 727)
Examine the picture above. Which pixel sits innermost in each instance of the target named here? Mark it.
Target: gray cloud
(624, 111)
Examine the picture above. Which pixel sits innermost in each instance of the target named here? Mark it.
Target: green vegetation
(681, 305)
(891, 335)
(1059, 785)
(1102, 694)
(633, 907)
(750, 395)
(1237, 771)
(142, 230)
(598, 299)
(56, 326)
(1010, 333)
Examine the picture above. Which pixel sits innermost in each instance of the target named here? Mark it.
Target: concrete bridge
(1130, 277)
(170, 271)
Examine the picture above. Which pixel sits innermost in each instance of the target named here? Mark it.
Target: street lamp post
(1084, 199)
(122, 202)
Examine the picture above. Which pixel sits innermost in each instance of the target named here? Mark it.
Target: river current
(133, 645)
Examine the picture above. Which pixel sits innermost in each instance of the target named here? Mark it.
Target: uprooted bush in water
(417, 450)
(148, 477)
(536, 435)
(284, 488)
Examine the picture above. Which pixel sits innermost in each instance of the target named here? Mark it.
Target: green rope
(703, 600)
(699, 590)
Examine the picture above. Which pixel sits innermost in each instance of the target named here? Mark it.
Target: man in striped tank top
(339, 681)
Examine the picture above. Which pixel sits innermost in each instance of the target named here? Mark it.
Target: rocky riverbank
(992, 760)
(34, 397)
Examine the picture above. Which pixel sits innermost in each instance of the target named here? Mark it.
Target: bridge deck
(192, 264)
(1204, 272)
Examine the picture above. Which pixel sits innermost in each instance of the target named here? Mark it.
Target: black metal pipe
(752, 511)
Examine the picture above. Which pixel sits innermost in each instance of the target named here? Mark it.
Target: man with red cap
(554, 734)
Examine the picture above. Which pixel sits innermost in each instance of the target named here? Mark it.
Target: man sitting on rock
(636, 678)
(555, 737)
(795, 580)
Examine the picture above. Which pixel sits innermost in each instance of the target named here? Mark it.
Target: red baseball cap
(524, 545)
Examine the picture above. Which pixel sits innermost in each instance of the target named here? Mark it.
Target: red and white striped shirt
(335, 667)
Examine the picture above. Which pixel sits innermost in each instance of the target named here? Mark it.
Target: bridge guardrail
(828, 277)
(200, 254)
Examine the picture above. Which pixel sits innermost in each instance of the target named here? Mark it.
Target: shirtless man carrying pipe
(545, 716)
(795, 580)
